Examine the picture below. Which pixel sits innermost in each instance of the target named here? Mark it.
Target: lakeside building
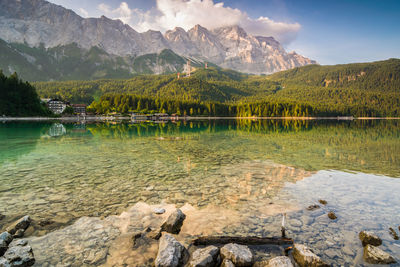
(150, 117)
(57, 106)
(140, 117)
(159, 116)
(79, 108)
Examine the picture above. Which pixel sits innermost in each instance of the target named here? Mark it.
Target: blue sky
(329, 31)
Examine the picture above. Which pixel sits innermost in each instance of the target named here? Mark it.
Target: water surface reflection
(237, 175)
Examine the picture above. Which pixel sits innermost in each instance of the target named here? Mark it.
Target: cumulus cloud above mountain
(169, 14)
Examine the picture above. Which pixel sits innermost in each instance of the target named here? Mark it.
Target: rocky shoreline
(203, 251)
(172, 253)
(14, 251)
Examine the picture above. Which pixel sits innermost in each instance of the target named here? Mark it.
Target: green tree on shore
(19, 98)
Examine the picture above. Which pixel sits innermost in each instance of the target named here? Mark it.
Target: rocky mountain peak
(198, 30)
(177, 34)
(231, 32)
(36, 22)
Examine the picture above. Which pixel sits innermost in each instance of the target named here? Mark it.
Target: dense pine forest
(18, 98)
(123, 103)
(362, 89)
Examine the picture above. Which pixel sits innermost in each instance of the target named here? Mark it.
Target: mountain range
(44, 41)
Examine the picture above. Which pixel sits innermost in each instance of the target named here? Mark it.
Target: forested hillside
(367, 89)
(70, 62)
(18, 98)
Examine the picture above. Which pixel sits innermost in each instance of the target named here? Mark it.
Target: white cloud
(169, 14)
(83, 12)
(123, 12)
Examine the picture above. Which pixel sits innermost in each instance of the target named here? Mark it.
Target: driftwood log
(245, 240)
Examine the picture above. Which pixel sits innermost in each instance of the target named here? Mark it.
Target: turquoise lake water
(249, 172)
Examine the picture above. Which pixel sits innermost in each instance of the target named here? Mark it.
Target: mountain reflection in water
(239, 175)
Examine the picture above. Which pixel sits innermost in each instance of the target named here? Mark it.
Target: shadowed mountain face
(38, 22)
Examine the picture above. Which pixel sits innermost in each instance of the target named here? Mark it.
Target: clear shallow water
(239, 176)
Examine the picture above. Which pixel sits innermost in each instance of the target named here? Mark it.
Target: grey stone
(174, 222)
(205, 257)
(159, 211)
(22, 223)
(227, 263)
(305, 257)
(238, 254)
(368, 238)
(7, 237)
(171, 253)
(280, 262)
(21, 256)
(19, 242)
(4, 262)
(375, 255)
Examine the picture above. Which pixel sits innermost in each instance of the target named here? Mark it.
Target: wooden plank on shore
(242, 240)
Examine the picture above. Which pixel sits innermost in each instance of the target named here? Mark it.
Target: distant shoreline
(166, 119)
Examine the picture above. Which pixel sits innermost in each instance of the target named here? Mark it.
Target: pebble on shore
(368, 238)
(332, 215)
(393, 233)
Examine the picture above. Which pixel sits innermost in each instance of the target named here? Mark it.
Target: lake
(88, 187)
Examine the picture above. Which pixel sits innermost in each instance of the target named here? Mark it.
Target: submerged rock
(19, 254)
(305, 257)
(205, 257)
(332, 215)
(45, 222)
(22, 223)
(239, 255)
(393, 233)
(2, 216)
(323, 202)
(313, 207)
(280, 262)
(375, 255)
(368, 238)
(171, 253)
(174, 222)
(19, 233)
